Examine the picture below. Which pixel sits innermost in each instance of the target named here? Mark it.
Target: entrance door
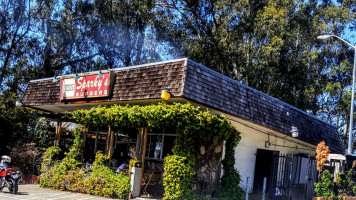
(262, 169)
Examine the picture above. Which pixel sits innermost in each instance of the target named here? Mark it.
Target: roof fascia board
(116, 69)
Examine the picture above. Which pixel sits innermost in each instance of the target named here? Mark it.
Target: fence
(292, 177)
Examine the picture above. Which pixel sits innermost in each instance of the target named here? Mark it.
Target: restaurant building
(278, 140)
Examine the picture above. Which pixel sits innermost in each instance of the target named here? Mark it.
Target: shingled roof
(192, 81)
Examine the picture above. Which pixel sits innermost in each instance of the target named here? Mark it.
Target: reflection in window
(159, 145)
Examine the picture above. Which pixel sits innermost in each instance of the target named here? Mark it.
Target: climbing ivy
(187, 119)
(191, 124)
(231, 179)
(177, 178)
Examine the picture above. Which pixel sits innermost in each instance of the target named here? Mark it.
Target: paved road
(35, 192)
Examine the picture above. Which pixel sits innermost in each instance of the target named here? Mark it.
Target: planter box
(29, 179)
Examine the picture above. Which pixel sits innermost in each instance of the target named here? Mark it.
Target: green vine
(191, 123)
(48, 157)
(231, 179)
(48, 166)
(177, 178)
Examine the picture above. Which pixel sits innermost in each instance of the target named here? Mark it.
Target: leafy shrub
(104, 182)
(230, 180)
(74, 181)
(48, 158)
(177, 177)
(27, 158)
(346, 183)
(48, 166)
(325, 187)
(67, 175)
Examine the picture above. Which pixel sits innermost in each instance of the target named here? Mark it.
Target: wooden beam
(112, 134)
(83, 145)
(107, 141)
(144, 144)
(57, 136)
(144, 136)
(64, 124)
(96, 141)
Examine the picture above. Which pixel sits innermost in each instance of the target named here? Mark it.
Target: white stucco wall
(254, 137)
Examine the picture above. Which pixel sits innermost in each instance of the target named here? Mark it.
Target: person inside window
(123, 168)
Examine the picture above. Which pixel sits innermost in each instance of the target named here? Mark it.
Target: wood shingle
(194, 82)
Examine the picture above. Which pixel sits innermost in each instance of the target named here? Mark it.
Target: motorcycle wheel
(14, 187)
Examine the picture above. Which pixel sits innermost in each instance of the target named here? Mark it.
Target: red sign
(85, 87)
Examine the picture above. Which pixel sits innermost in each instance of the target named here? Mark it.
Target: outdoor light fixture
(76, 77)
(325, 37)
(100, 74)
(166, 94)
(55, 79)
(294, 131)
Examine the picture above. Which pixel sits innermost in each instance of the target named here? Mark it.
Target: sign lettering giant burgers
(87, 86)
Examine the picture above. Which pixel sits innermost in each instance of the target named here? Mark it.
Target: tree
(269, 45)
(15, 20)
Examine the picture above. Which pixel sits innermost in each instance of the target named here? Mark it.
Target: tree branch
(71, 62)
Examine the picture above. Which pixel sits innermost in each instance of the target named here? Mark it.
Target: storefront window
(159, 144)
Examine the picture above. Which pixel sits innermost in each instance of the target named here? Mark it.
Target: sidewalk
(35, 192)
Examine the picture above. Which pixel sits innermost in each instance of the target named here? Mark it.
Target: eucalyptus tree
(15, 24)
(269, 45)
(122, 31)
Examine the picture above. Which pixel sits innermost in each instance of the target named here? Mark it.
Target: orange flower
(322, 153)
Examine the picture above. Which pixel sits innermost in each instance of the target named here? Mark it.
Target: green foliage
(269, 45)
(188, 120)
(15, 122)
(27, 157)
(325, 188)
(191, 124)
(230, 180)
(346, 183)
(74, 181)
(49, 167)
(177, 177)
(104, 182)
(48, 157)
(67, 175)
(71, 160)
(24, 135)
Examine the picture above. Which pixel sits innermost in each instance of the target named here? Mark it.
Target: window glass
(154, 146)
(159, 144)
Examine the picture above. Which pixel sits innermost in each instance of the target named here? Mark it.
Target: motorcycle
(9, 178)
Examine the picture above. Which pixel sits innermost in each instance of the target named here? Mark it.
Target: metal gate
(292, 177)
